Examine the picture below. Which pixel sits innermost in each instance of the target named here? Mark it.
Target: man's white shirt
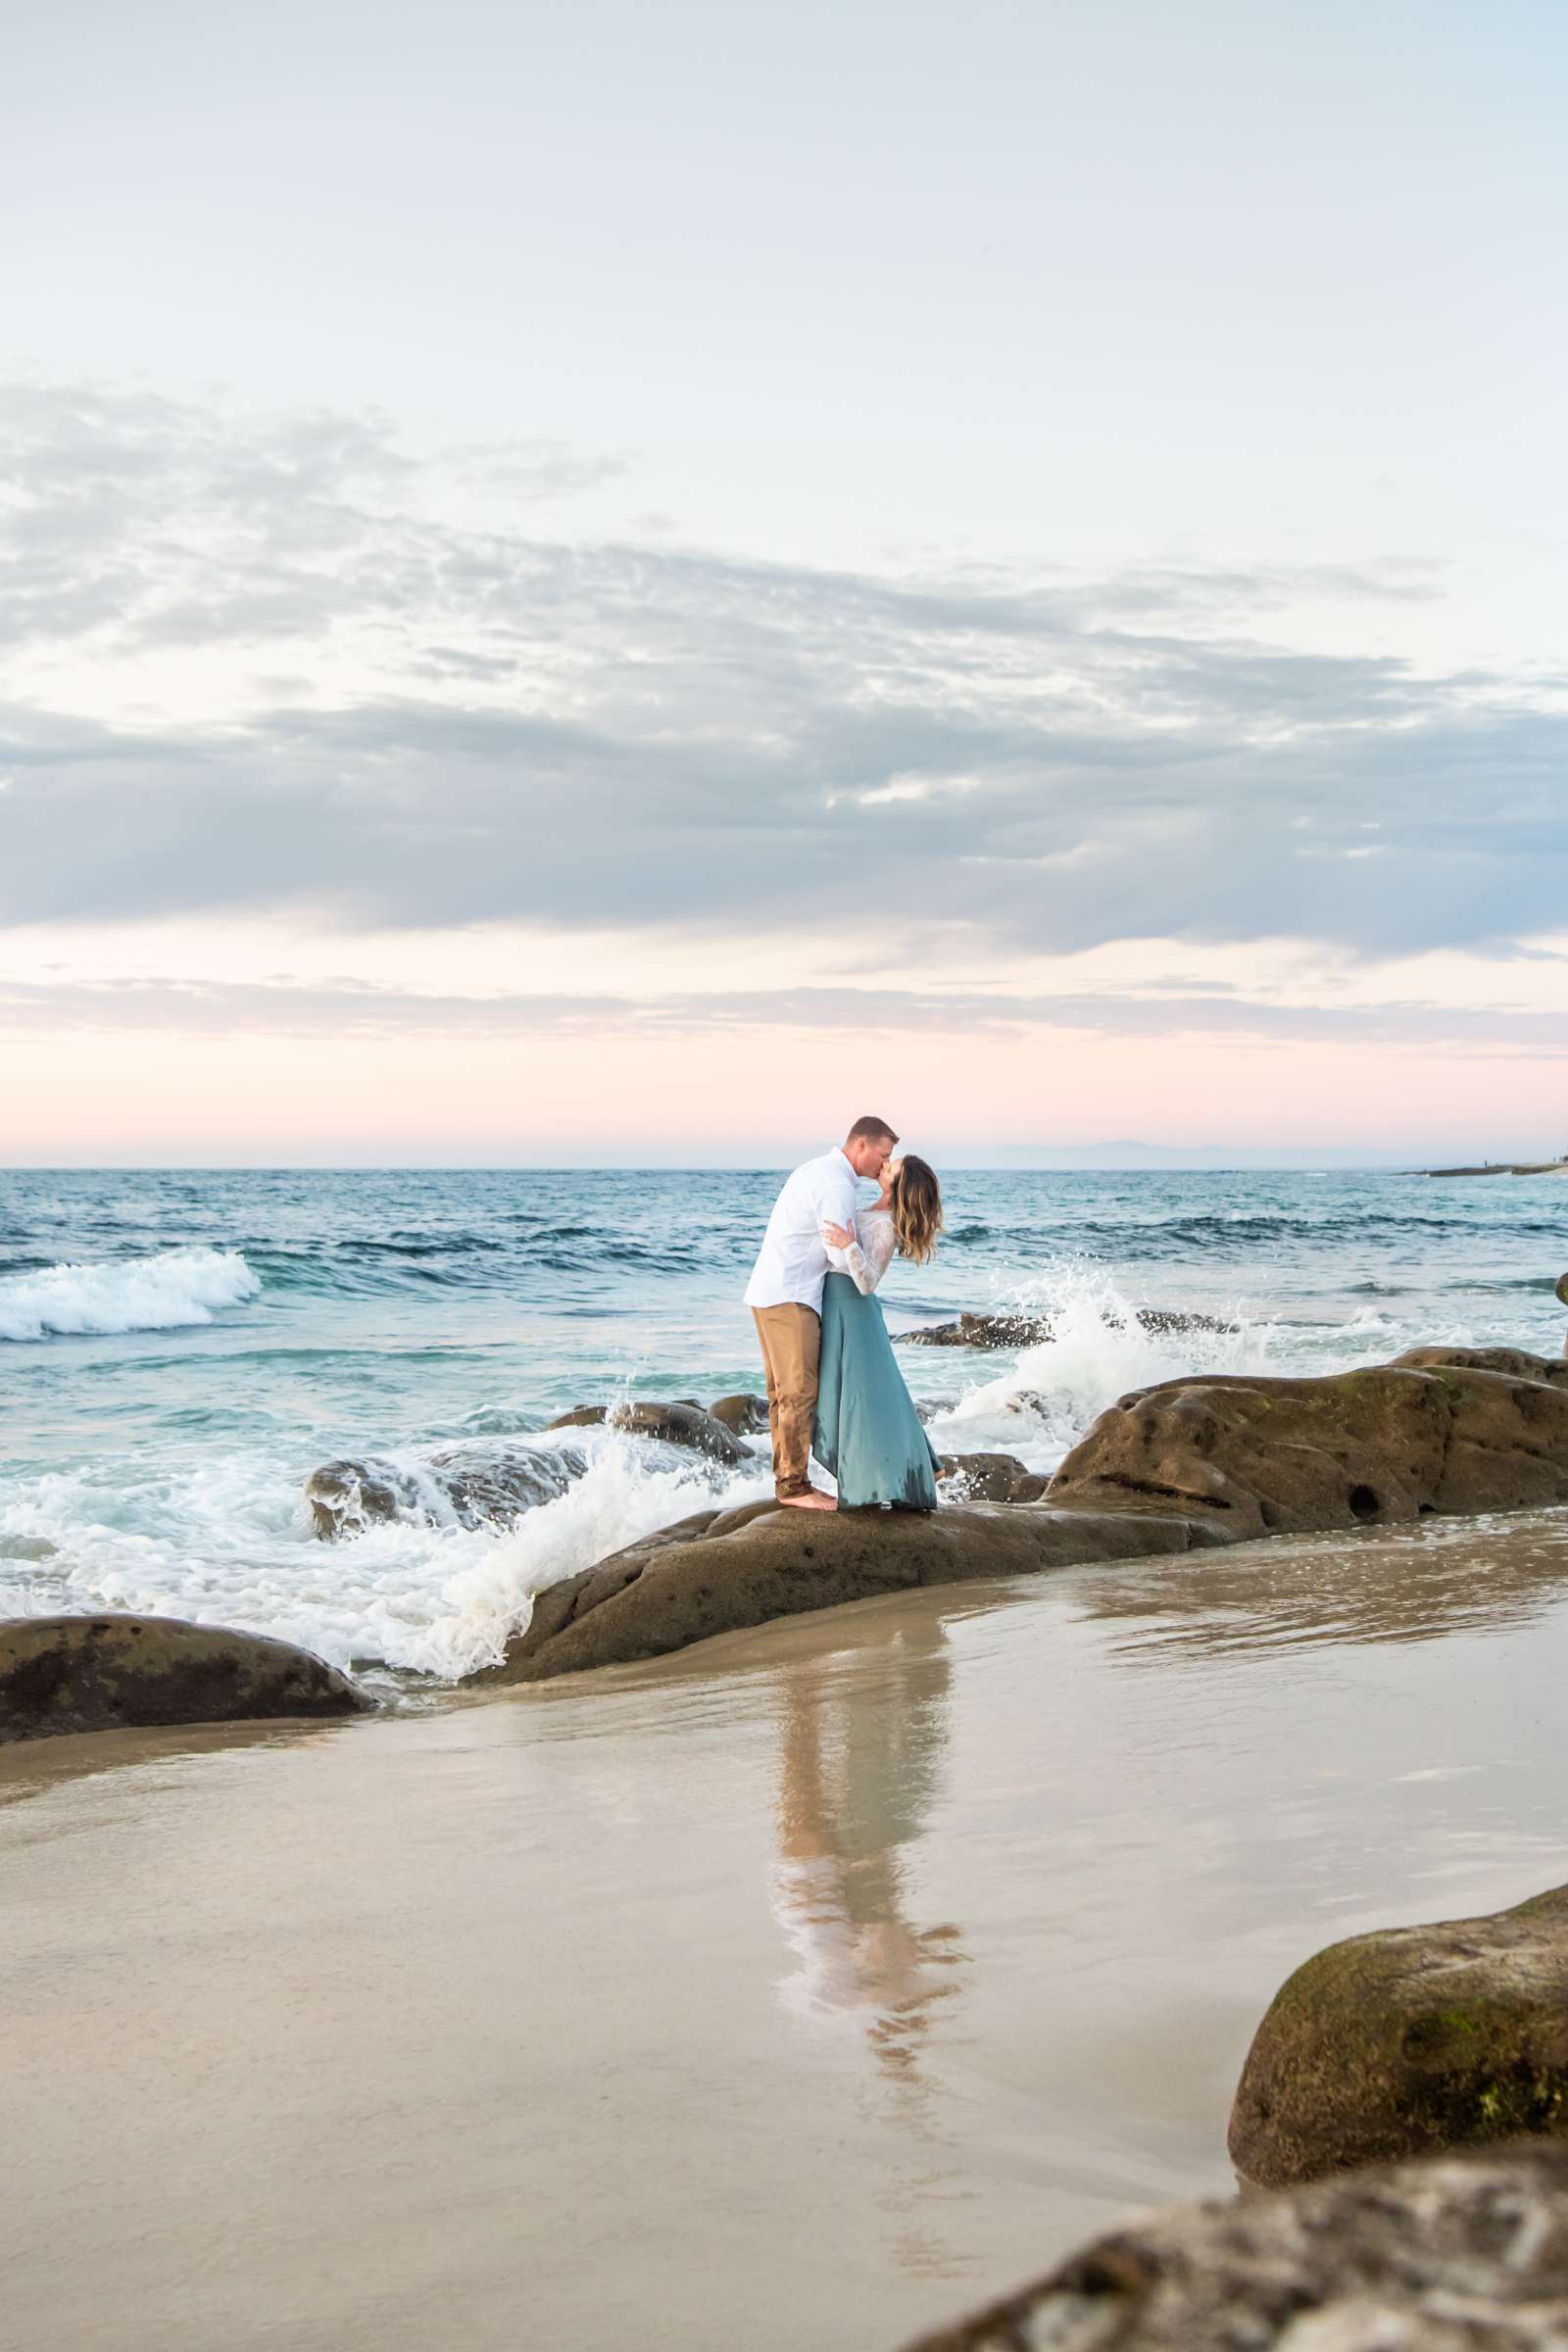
(793, 1260)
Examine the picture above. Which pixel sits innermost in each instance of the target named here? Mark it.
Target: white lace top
(870, 1253)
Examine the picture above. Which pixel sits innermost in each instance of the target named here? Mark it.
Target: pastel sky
(620, 584)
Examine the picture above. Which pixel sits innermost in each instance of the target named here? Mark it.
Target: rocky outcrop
(744, 1417)
(1032, 1330)
(675, 1424)
(990, 1478)
(1464, 2254)
(1258, 1457)
(477, 1486)
(1411, 2040)
(724, 1570)
(102, 1674)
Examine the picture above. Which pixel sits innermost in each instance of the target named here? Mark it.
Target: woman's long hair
(915, 1199)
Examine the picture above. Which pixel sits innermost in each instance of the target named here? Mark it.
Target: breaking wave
(164, 1292)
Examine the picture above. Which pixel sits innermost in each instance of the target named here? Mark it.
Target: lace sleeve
(870, 1253)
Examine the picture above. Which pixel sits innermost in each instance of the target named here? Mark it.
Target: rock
(672, 1424)
(105, 1674)
(478, 1487)
(1381, 1446)
(980, 1330)
(1462, 2254)
(1516, 1362)
(992, 1478)
(724, 1570)
(1032, 1330)
(744, 1417)
(1408, 2040)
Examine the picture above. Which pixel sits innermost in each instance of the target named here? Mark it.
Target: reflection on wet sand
(1415, 1584)
(856, 1782)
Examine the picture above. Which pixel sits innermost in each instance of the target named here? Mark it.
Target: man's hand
(837, 1236)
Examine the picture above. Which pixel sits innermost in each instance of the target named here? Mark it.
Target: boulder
(1408, 2040)
(1032, 1330)
(744, 1417)
(1462, 2254)
(991, 1478)
(106, 1674)
(478, 1487)
(724, 1570)
(673, 1424)
(1376, 1446)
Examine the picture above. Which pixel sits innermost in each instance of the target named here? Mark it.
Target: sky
(606, 585)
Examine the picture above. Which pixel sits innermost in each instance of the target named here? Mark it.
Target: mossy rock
(1445, 1429)
(1408, 2040)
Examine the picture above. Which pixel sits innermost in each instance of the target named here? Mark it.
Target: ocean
(178, 1349)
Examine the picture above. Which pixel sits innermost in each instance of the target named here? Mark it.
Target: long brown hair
(915, 1199)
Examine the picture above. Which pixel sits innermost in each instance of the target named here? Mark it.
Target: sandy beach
(807, 1989)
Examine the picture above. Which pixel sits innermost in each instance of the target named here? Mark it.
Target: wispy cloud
(348, 1008)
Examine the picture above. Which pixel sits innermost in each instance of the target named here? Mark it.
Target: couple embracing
(834, 1387)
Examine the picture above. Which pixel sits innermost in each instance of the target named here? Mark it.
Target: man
(785, 1295)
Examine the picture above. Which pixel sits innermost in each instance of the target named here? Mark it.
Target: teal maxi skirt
(868, 1432)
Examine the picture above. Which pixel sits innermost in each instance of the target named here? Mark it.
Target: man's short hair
(871, 1130)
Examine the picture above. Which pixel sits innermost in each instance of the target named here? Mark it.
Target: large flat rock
(1410, 2039)
(102, 1674)
(721, 1571)
(1458, 2255)
(1445, 1430)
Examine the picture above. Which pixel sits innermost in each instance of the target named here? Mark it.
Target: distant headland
(1506, 1167)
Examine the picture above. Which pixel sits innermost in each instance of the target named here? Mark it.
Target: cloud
(482, 723)
(348, 1010)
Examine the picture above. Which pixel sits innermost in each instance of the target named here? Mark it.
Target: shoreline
(928, 1931)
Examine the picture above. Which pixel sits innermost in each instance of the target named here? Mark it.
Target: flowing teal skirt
(868, 1432)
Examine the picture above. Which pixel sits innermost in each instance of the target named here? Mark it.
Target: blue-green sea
(178, 1349)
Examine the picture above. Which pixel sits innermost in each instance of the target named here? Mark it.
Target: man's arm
(838, 1197)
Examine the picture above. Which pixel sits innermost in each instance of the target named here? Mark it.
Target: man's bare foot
(814, 1501)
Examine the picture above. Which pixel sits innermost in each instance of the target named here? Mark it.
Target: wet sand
(802, 1990)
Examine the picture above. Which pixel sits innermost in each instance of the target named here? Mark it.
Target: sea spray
(170, 1291)
(227, 1540)
(1042, 1403)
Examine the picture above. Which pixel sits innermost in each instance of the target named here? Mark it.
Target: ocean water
(179, 1350)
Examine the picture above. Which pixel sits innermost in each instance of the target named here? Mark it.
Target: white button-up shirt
(793, 1260)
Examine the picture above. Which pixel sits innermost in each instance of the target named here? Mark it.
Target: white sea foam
(164, 1292)
(228, 1541)
(1041, 1404)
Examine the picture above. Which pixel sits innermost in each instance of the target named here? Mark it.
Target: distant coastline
(1506, 1167)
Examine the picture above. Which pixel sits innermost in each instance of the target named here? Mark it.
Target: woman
(868, 1432)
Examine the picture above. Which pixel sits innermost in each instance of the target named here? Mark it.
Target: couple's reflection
(861, 1738)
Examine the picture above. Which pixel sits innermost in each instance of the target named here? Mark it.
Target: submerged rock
(1376, 1446)
(1454, 2255)
(1408, 2041)
(744, 1417)
(1032, 1330)
(488, 1487)
(100, 1674)
(675, 1424)
(992, 1478)
(724, 1570)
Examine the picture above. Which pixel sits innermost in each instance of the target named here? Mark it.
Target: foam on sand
(168, 1292)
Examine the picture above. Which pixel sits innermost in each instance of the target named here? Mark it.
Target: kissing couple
(834, 1387)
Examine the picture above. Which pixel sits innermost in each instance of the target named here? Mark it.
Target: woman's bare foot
(814, 1501)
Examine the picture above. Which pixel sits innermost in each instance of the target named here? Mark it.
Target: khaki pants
(792, 1343)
